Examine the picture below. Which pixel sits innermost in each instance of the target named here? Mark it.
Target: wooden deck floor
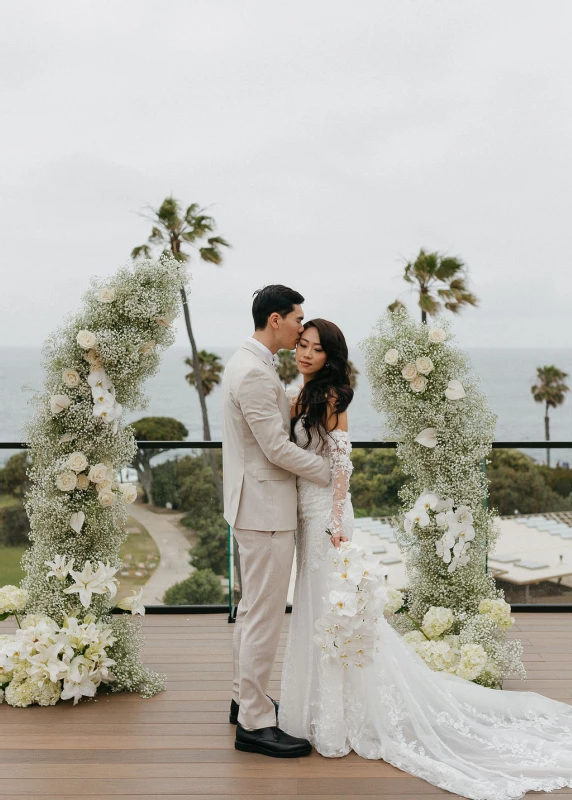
(179, 744)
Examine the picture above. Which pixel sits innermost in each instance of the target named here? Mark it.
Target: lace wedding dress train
(479, 743)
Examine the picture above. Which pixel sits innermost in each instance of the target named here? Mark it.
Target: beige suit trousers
(265, 564)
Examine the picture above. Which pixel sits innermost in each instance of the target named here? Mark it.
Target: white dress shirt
(272, 360)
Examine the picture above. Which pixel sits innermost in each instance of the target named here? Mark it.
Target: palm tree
(551, 390)
(211, 371)
(441, 281)
(171, 230)
(287, 369)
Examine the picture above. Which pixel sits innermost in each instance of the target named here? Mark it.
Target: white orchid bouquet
(346, 632)
(444, 430)
(95, 366)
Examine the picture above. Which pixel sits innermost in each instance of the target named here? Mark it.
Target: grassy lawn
(10, 570)
(139, 554)
(7, 500)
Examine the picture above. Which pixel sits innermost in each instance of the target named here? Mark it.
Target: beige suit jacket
(260, 463)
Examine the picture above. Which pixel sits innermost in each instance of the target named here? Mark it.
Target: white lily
(45, 663)
(427, 437)
(87, 582)
(59, 568)
(78, 682)
(133, 603)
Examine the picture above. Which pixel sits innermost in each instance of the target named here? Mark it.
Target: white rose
(86, 340)
(128, 492)
(106, 484)
(427, 437)
(106, 498)
(166, 321)
(424, 366)
(93, 358)
(67, 437)
(147, 347)
(71, 378)
(437, 335)
(106, 294)
(418, 384)
(77, 462)
(455, 391)
(392, 357)
(59, 402)
(83, 481)
(98, 473)
(66, 481)
(409, 372)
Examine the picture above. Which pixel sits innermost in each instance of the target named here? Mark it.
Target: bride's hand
(337, 540)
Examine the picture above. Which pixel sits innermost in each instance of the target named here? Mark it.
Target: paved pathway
(173, 547)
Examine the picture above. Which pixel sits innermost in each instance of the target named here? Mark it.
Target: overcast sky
(330, 141)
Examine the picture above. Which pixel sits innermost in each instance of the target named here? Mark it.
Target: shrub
(201, 588)
(519, 483)
(211, 550)
(13, 475)
(14, 526)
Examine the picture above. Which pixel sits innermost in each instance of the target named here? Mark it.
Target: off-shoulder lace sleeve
(338, 449)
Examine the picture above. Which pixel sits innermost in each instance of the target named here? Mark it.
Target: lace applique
(338, 448)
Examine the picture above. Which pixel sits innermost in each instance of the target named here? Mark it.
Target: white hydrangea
(12, 598)
(437, 654)
(437, 620)
(472, 661)
(394, 601)
(498, 610)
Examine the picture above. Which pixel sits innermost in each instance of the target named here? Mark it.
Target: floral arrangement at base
(67, 643)
(433, 408)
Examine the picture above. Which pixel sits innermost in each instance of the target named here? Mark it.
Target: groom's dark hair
(275, 299)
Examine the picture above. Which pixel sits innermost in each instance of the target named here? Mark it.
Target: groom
(260, 465)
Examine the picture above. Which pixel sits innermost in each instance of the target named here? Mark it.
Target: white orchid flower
(427, 437)
(427, 501)
(345, 603)
(59, 568)
(455, 391)
(418, 516)
(445, 505)
(441, 519)
(98, 380)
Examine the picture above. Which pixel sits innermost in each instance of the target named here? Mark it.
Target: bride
(476, 742)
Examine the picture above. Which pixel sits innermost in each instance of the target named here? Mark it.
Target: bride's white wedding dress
(478, 743)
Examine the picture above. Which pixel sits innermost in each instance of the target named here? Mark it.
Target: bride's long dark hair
(330, 387)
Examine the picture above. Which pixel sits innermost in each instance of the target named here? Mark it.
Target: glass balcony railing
(180, 550)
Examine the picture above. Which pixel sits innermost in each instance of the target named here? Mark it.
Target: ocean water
(506, 377)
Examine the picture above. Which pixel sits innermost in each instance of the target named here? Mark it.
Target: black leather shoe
(271, 742)
(233, 716)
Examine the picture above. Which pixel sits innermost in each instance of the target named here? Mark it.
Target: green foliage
(14, 525)
(211, 550)
(441, 282)
(171, 227)
(287, 368)
(151, 429)
(551, 388)
(211, 371)
(187, 483)
(375, 482)
(201, 588)
(13, 475)
(517, 483)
